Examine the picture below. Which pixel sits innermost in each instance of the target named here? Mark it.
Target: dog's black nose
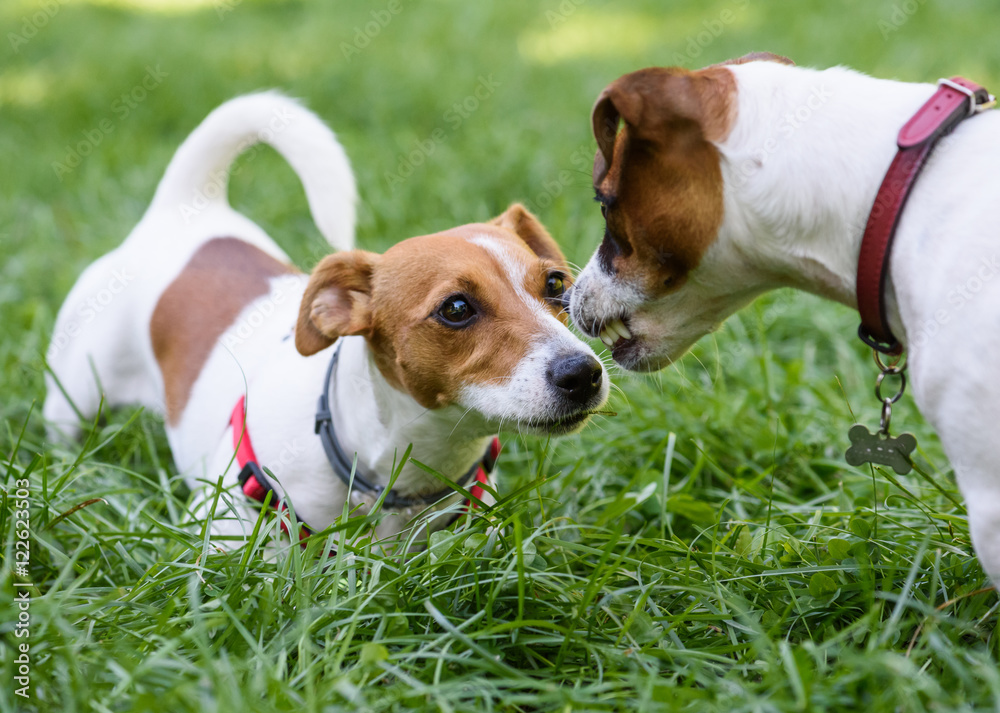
(576, 377)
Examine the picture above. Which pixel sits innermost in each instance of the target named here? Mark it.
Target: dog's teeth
(606, 338)
(619, 326)
(610, 330)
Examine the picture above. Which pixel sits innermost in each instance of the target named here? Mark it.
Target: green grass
(707, 549)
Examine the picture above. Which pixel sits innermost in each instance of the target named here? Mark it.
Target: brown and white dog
(755, 174)
(443, 340)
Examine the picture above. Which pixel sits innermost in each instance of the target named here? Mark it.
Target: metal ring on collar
(899, 362)
(902, 385)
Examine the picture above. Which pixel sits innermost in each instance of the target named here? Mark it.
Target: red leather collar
(955, 100)
(255, 485)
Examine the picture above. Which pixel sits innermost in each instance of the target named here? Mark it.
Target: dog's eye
(555, 285)
(456, 311)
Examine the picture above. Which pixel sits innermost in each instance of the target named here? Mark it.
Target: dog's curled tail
(198, 174)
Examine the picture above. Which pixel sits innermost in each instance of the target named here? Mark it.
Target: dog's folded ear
(521, 221)
(336, 301)
(663, 103)
(612, 104)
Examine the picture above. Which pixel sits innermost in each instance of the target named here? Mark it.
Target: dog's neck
(802, 168)
(378, 422)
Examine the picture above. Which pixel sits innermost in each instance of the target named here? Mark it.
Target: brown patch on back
(222, 277)
(660, 177)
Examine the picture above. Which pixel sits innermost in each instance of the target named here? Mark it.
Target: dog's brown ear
(336, 301)
(520, 220)
(662, 102)
(613, 104)
(757, 57)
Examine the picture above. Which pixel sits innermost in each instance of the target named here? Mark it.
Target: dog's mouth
(563, 424)
(617, 335)
(614, 331)
(630, 350)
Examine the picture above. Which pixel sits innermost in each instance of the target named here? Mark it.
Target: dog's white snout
(578, 299)
(601, 303)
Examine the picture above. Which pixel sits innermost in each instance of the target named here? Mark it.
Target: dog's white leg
(984, 525)
(957, 400)
(97, 349)
(979, 481)
(232, 514)
(978, 477)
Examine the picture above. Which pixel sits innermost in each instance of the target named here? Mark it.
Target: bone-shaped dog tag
(891, 451)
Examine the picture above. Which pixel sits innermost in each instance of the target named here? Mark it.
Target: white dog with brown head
(755, 174)
(440, 342)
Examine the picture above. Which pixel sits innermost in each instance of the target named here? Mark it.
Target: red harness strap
(955, 100)
(255, 486)
(251, 477)
(483, 474)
